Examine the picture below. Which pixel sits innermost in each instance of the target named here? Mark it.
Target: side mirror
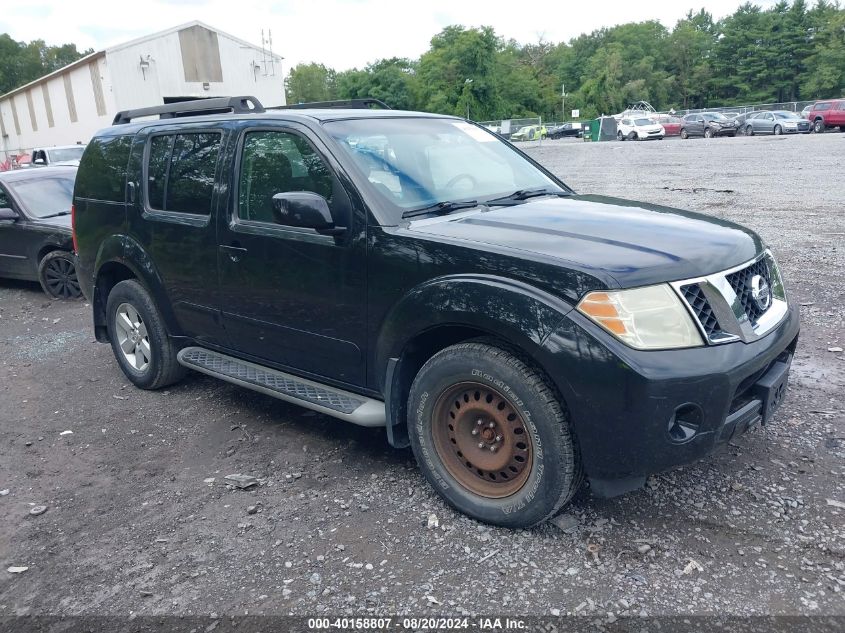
(39, 161)
(8, 215)
(305, 210)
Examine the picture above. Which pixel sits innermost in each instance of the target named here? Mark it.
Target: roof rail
(340, 104)
(215, 105)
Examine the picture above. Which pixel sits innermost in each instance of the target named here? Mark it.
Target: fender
(513, 310)
(126, 251)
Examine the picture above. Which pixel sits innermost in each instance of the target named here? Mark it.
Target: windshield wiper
(55, 215)
(524, 194)
(441, 208)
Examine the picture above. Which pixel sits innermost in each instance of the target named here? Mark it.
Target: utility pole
(563, 102)
(468, 94)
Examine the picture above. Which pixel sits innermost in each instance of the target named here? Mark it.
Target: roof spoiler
(343, 104)
(194, 107)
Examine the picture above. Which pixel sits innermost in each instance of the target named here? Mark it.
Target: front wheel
(708, 133)
(778, 130)
(492, 437)
(818, 126)
(749, 131)
(57, 274)
(139, 338)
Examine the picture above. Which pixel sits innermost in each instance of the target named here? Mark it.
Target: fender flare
(124, 250)
(517, 312)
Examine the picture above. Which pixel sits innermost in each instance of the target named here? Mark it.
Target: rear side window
(821, 106)
(102, 171)
(180, 172)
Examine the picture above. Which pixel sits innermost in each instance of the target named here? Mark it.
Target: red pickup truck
(826, 114)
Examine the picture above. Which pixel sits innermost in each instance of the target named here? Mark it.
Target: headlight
(644, 318)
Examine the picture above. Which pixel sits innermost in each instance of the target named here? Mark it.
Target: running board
(312, 395)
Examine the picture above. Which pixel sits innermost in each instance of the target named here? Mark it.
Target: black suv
(417, 272)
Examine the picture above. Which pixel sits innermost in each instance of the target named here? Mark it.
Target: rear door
(172, 217)
(837, 116)
(292, 296)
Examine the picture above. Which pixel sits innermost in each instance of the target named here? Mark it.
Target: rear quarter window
(102, 170)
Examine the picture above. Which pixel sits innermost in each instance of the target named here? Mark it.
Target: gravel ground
(140, 521)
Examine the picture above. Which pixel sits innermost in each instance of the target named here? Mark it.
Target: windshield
(715, 116)
(41, 197)
(65, 154)
(787, 115)
(642, 122)
(418, 162)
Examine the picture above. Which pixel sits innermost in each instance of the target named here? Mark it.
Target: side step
(335, 402)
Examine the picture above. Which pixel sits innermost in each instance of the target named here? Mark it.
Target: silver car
(776, 122)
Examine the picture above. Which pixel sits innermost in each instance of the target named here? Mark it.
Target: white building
(188, 61)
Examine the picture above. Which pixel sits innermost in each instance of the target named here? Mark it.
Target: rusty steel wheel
(481, 439)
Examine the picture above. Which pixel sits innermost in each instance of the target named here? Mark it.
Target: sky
(341, 34)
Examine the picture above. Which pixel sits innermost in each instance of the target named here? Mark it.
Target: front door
(292, 296)
(14, 243)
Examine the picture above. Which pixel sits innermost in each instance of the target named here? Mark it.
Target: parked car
(707, 124)
(529, 133)
(827, 114)
(805, 113)
(671, 124)
(776, 122)
(35, 229)
(516, 335)
(59, 155)
(564, 130)
(639, 129)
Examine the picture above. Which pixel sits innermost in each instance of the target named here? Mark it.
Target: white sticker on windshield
(474, 132)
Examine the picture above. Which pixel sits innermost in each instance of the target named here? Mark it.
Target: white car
(68, 155)
(639, 128)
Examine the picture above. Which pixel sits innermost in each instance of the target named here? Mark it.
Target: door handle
(235, 252)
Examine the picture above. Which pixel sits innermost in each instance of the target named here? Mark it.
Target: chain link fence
(529, 129)
(792, 106)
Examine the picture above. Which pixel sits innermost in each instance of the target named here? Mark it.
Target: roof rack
(340, 104)
(215, 105)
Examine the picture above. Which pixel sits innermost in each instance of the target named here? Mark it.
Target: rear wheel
(620, 136)
(139, 339)
(57, 274)
(491, 436)
(684, 133)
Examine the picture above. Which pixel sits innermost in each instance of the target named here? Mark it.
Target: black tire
(749, 131)
(620, 136)
(555, 471)
(57, 274)
(633, 136)
(684, 133)
(708, 133)
(818, 126)
(161, 367)
(778, 130)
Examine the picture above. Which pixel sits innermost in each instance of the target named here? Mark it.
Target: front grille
(702, 309)
(740, 281)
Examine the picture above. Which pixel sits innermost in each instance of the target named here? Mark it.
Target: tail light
(73, 227)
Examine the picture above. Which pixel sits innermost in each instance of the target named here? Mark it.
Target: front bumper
(639, 412)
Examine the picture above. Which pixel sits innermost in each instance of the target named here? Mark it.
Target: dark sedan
(707, 124)
(564, 130)
(35, 229)
(776, 122)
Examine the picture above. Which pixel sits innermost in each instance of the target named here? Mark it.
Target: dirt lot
(140, 521)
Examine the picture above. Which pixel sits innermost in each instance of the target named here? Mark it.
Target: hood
(629, 243)
(59, 222)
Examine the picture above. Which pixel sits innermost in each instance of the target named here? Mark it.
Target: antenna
(263, 54)
(272, 58)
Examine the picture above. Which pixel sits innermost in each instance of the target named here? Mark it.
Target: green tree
(310, 82)
(825, 74)
(393, 81)
(22, 62)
